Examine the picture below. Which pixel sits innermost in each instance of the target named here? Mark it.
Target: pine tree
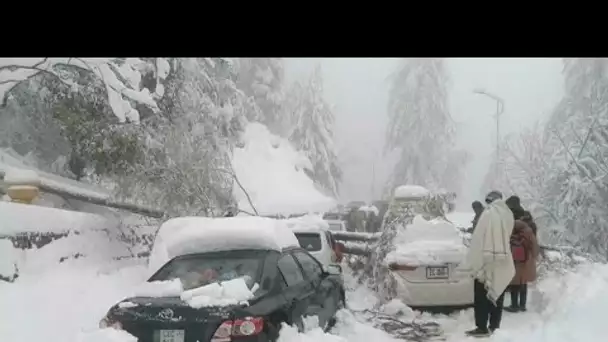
(312, 123)
(261, 79)
(420, 126)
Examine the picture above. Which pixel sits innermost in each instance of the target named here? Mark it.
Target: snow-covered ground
(52, 301)
(64, 302)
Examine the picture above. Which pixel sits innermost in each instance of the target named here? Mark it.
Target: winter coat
(525, 272)
(527, 218)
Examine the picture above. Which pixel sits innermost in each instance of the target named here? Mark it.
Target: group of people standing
(502, 257)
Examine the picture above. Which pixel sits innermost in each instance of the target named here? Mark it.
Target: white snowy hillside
(272, 172)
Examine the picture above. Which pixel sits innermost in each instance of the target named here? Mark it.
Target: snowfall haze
(358, 89)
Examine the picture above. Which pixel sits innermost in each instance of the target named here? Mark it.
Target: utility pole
(499, 110)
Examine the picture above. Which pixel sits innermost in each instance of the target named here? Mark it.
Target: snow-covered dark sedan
(232, 295)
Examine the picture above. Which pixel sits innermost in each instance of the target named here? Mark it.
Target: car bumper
(439, 294)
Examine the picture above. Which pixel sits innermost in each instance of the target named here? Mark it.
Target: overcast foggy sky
(358, 90)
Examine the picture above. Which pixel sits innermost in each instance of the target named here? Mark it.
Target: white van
(320, 244)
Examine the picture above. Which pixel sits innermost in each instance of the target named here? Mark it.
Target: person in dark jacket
(477, 209)
(514, 204)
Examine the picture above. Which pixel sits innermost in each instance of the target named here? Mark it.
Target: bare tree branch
(236, 179)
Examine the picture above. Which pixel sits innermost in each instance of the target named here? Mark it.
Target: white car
(426, 259)
(337, 225)
(319, 244)
(313, 235)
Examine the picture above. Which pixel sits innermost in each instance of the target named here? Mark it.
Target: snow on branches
(122, 78)
(312, 121)
(420, 126)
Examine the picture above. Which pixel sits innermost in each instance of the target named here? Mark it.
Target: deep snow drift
(52, 301)
(272, 172)
(64, 302)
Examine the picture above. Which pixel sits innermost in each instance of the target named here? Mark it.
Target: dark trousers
(485, 310)
(519, 295)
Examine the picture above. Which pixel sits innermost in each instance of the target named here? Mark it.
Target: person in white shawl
(490, 262)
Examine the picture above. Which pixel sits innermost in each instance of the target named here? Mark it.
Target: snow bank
(307, 223)
(23, 218)
(410, 191)
(8, 259)
(107, 335)
(88, 247)
(187, 235)
(427, 242)
(20, 176)
(272, 172)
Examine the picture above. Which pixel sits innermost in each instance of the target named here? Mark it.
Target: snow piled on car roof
(427, 243)
(307, 224)
(189, 235)
(410, 191)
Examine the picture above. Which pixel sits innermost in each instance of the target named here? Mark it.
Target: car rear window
(203, 269)
(309, 241)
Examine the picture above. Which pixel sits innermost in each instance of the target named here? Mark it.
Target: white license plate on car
(171, 336)
(437, 272)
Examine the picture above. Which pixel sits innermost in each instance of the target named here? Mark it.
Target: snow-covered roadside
(64, 301)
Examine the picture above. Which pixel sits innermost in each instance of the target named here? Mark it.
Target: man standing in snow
(491, 264)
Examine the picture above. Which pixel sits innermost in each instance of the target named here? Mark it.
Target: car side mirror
(333, 269)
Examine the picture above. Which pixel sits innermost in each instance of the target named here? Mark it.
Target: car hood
(168, 309)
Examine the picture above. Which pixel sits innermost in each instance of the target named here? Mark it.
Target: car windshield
(309, 241)
(335, 226)
(203, 269)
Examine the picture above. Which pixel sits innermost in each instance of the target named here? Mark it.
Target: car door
(297, 291)
(324, 303)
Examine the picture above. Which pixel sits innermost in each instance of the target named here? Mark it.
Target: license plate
(437, 272)
(171, 336)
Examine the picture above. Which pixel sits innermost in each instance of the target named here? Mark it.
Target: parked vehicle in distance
(337, 225)
(237, 279)
(321, 245)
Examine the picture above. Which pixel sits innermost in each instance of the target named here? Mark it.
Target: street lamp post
(499, 110)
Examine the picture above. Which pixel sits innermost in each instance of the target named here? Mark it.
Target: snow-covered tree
(187, 169)
(420, 126)
(312, 123)
(72, 133)
(523, 166)
(122, 78)
(575, 190)
(261, 79)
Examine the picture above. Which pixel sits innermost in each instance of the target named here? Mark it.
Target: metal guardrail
(358, 243)
(355, 236)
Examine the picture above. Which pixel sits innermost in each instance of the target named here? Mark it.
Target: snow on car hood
(427, 243)
(225, 293)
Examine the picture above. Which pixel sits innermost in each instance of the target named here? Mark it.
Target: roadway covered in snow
(64, 302)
